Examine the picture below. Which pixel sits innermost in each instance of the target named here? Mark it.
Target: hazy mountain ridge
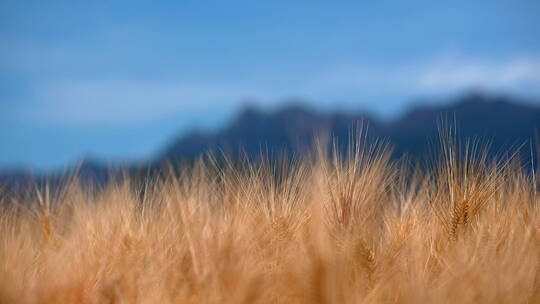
(501, 120)
(504, 121)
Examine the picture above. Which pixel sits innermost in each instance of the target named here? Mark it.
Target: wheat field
(354, 227)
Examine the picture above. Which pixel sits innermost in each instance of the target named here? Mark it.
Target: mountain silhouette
(504, 122)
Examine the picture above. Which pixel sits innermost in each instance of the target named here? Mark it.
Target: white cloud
(442, 74)
(125, 102)
(489, 75)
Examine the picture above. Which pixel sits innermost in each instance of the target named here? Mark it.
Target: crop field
(351, 227)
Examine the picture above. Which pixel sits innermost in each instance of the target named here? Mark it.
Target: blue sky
(119, 80)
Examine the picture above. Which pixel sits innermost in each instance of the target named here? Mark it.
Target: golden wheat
(347, 228)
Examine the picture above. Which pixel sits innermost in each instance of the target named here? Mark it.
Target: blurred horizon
(118, 81)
